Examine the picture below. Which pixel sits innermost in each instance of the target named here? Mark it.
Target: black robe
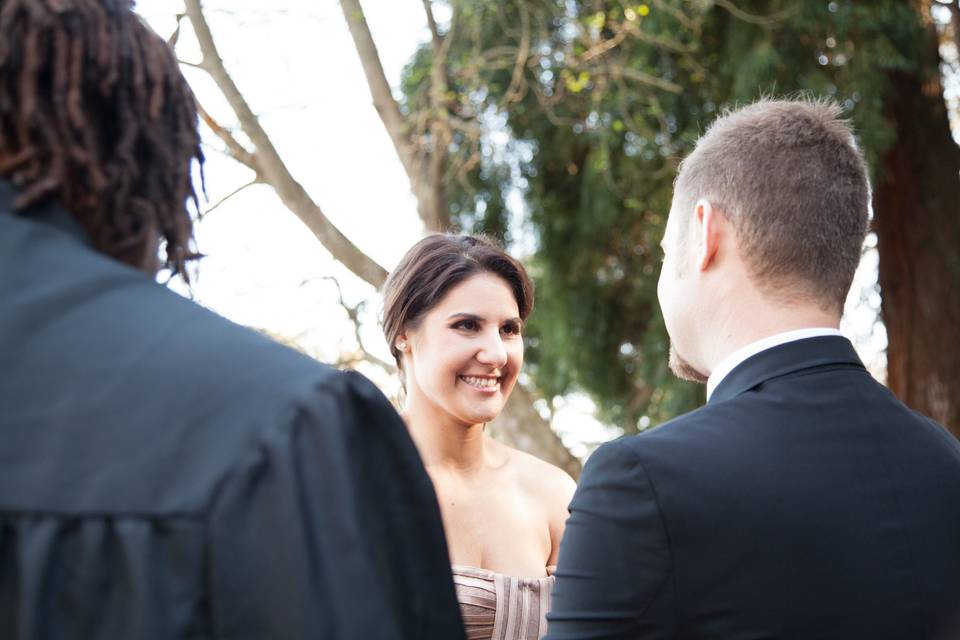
(165, 473)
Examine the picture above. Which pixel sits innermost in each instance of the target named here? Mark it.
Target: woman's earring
(402, 346)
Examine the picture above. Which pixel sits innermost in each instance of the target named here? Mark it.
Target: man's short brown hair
(790, 178)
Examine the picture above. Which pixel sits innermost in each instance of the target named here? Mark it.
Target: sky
(295, 62)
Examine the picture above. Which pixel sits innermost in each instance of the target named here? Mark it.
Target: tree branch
(237, 150)
(658, 41)
(432, 24)
(389, 111)
(517, 88)
(230, 195)
(380, 90)
(690, 23)
(274, 171)
(749, 17)
(175, 36)
(645, 78)
(354, 314)
(440, 133)
(605, 45)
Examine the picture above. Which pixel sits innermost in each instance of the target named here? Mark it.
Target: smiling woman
(454, 310)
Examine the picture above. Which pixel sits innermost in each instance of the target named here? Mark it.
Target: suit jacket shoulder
(802, 501)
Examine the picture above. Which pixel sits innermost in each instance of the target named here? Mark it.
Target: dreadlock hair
(95, 115)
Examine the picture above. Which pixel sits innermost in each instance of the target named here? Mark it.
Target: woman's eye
(468, 325)
(511, 329)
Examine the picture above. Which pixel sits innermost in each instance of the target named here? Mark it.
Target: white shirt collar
(731, 362)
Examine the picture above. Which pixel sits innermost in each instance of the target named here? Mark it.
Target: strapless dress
(501, 607)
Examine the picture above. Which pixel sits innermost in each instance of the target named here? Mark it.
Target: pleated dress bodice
(496, 606)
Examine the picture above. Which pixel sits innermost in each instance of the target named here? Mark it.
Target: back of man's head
(96, 116)
(790, 179)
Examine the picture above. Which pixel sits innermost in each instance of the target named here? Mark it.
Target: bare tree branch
(377, 82)
(353, 312)
(187, 63)
(393, 120)
(230, 195)
(274, 171)
(432, 24)
(175, 36)
(237, 150)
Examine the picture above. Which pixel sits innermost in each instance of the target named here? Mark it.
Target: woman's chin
(482, 409)
(482, 415)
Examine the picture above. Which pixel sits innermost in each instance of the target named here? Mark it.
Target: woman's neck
(442, 441)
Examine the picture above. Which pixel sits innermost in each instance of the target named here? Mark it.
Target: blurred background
(339, 132)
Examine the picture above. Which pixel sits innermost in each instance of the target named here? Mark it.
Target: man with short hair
(803, 501)
(165, 473)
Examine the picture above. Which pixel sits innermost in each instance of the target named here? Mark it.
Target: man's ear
(708, 229)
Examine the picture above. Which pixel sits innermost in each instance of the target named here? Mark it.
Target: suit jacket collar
(784, 359)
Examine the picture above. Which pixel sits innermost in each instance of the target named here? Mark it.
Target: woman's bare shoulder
(542, 480)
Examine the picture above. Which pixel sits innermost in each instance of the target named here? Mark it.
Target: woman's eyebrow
(472, 316)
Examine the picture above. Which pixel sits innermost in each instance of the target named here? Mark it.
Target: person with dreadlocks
(163, 472)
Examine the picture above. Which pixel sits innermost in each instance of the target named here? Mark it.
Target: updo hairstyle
(435, 265)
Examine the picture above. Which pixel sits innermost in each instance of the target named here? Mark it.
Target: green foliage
(598, 102)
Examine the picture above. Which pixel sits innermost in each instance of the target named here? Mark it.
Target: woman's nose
(493, 352)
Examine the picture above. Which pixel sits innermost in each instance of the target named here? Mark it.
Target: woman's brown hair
(435, 265)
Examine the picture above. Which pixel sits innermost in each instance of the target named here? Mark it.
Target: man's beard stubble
(683, 369)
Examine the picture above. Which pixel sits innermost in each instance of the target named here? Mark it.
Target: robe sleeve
(331, 529)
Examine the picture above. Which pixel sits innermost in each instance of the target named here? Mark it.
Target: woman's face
(463, 358)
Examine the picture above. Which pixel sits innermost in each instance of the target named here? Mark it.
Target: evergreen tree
(584, 108)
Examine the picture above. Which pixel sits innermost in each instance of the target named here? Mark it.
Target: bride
(453, 316)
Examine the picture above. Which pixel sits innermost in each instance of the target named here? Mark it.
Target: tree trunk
(521, 426)
(917, 220)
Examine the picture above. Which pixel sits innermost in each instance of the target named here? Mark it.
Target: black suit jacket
(166, 474)
(803, 502)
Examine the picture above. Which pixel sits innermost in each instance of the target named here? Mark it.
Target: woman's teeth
(481, 383)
